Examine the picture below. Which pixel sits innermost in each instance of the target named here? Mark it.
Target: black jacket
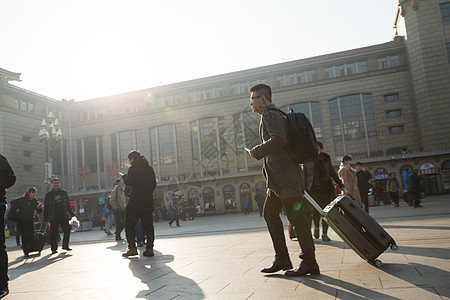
(309, 172)
(7, 177)
(414, 183)
(363, 181)
(50, 206)
(142, 181)
(26, 208)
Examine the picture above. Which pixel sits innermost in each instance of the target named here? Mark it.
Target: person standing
(26, 205)
(107, 214)
(364, 177)
(259, 198)
(406, 175)
(318, 182)
(119, 203)
(393, 188)
(284, 181)
(245, 205)
(142, 182)
(348, 176)
(7, 180)
(57, 210)
(174, 210)
(415, 186)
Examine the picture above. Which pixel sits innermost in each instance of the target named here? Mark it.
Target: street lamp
(51, 134)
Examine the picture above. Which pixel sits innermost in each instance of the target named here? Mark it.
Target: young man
(7, 180)
(284, 181)
(142, 181)
(57, 210)
(364, 177)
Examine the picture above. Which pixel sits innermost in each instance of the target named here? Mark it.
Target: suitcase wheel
(377, 263)
(394, 247)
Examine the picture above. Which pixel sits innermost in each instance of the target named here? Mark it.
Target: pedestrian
(25, 207)
(57, 210)
(259, 198)
(7, 180)
(393, 188)
(415, 186)
(174, 210)
(107, 214)
(318, 182)
(118, 203)
(377, 191)
(245, 205)
(364, 177)
(348, 176)
(284, 181)
(406, 175)
(142, 182)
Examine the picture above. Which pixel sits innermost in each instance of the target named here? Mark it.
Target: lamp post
(51, 134)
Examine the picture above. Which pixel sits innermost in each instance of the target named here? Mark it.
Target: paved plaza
(220, 257)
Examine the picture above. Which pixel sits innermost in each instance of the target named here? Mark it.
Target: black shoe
(170, 223)
(316, 232)
(278, 265)
(304, 269)
(325, 238)
(418, 206)
(67, 248)
(54, 251)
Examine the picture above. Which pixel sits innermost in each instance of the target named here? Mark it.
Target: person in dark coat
(7, 180)
(284, 181)
(415, 186)
(259, 198)
(319, 174)
(26, 205)
(364, 177)
(57, 210)
(142, 182)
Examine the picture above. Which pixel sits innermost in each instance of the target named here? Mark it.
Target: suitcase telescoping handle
(314, 203)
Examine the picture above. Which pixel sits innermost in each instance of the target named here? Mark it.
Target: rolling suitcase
(357, 228)
(40, 236)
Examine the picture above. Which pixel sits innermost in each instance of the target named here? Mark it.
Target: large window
(124, 142)
(89, 153)
(229, 196)
(395, 129)
(352, 116)
(391, 98)
(345, 69)
(243, 87)
(246, 134)
(388, 62)
(445, 11)
(395, 113)
(166, 144)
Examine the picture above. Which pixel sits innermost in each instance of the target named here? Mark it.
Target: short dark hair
(262, 88)
(134, 154)
(359, 163)
(346, 157)
(54, 179)
(118, 180)
(320, 145)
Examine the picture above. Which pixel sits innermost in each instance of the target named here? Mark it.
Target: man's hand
(249, 152)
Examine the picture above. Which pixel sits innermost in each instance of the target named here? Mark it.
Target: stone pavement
(219, 257)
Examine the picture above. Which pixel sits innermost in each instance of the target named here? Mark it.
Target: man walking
(57, 210)
(119, 203)
(142, 182)
(364, 177)
(284, 181)
(7, 180)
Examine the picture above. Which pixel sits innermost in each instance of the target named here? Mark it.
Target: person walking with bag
(26, 205)
(348, 176)
(284, 182)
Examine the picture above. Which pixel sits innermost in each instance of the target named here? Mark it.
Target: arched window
(208, 199)
(229, 195)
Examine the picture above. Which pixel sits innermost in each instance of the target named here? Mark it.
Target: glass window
(229, 195)
(177, 99)
(391, 98)
(208, 199)
(218, 92)
(350, 69)
(301, 77)
(26, 139)
(154, 146)
(395, 129)
(128, 141)
(31, 108)
(200, 95)
(311, 75)
(280, 81)
(244, 87)
(168, 101)
(394, 61)
(166, 144)
(27, 153)
(28, 168)
(362, 66)
(234, 89)
(393, 113)
(382, 63)
(209, 94)
(340, 71)
(290, 79)
(191, 97)
(90, 153)
(445, 11)
(23, 105)
(329, 72)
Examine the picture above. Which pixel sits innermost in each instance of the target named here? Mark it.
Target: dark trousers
(174, 217)
(64, 223)
(26, 229)
(323, 199)
(3, 255)
(394, 196)
(119, 216)
(295, 214)
(139, 228)
(416, 197)
(365, 200)
(131, 219)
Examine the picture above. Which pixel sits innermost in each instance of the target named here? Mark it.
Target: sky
(87, 49)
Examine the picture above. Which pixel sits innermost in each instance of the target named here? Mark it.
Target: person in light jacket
(348, 176)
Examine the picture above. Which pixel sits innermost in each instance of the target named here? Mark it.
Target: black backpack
(301, 139)
(12, 213)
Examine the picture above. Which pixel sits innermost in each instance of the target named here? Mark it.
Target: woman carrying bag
(26, 206)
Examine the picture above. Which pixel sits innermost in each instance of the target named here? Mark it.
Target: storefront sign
(428, 169)
(381, 174)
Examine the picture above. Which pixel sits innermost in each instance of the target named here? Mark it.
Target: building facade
(385, 105)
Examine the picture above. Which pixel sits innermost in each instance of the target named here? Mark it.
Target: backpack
(301, 139)
(12, 213)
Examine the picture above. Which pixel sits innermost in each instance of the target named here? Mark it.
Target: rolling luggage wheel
(377, 263)
(394, 247)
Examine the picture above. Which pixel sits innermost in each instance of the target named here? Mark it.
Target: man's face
(120, 183)
(55, 185)
(357, 168)
(257, 102)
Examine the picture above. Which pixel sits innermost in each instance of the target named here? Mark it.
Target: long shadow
(33, 263)
(418, 227)
(162, 281)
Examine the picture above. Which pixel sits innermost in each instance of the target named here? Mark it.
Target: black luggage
(357, 228)
(40, 236)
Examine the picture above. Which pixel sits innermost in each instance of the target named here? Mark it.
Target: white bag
(74, 224)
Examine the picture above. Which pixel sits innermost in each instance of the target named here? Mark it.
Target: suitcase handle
(313, 203)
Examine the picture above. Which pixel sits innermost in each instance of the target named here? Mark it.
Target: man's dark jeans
(64, 223)
(296, 216)
(119, 216)
(3, 255)
(132, 217)
(365, 200)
